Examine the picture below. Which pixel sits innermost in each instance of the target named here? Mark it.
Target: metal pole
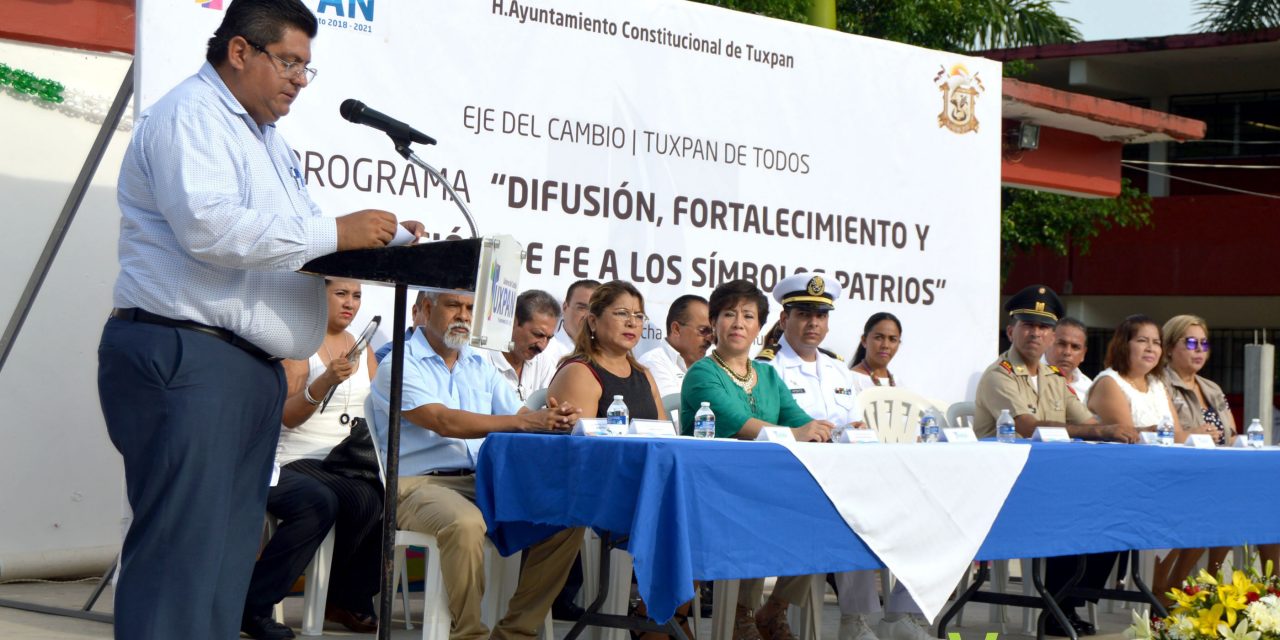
(1259, 374)
(69, 209)
(402, 148)
(36, 280)
(393, 466)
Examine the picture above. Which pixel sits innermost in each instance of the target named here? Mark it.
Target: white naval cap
(812, 290)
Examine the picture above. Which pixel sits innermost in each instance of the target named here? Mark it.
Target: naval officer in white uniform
(824, 387)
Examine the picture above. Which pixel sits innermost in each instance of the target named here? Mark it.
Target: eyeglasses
(1202, 343)
(704, 330)
(295, 69)
(623, 315)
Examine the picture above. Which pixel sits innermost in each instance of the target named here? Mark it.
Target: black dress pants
(307, 501)
(1096, 570)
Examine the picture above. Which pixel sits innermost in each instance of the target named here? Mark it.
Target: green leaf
(1237, 15)
(1065, 224)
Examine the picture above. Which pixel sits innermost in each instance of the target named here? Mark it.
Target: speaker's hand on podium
(367, 229)
(414, 227)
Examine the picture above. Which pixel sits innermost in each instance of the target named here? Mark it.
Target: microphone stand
(402, 148)
(392, 471)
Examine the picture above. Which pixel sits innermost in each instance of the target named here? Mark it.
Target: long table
(707, 510)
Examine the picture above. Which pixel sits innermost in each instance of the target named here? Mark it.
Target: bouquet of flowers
(1242, 606)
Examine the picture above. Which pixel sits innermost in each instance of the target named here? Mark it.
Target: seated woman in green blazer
(746, 396)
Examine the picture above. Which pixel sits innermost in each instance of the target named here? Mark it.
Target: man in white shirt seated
(536, 316)
(575, 308)
(1067, 352)
(688, 338)
(452, 398)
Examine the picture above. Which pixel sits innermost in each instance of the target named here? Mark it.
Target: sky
(1111, 19)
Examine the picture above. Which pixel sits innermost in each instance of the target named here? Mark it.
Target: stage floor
(22, 625)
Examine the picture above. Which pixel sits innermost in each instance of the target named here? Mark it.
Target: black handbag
(355, 457)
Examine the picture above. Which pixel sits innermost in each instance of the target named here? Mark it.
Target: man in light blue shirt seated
(452, 397)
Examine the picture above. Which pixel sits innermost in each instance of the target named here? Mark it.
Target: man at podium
(215, 221)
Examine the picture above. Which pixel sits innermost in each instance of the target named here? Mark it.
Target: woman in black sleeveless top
(601, 365)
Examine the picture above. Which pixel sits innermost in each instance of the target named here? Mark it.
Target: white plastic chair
(502, 575)
(316, 590)
(895, 413)
(960, 414)
(536, 400)
(671, 404)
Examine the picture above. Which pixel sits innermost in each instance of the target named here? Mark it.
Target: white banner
(668, 143)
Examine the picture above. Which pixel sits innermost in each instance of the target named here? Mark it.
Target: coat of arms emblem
(960, 92)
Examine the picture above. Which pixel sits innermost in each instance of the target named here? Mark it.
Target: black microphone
(357, 112)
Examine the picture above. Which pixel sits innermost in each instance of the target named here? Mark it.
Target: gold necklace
(742, 379)
(871, 374)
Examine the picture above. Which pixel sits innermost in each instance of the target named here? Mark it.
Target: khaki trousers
(444, 506)
(788, 589)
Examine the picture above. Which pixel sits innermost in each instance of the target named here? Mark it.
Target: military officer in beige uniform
(823, 386)
(1036, 395)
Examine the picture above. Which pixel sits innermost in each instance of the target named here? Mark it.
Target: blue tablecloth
(711, 510)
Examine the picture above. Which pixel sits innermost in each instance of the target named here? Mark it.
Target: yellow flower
(1206, 621)
(1234, 596)
(1187, 602)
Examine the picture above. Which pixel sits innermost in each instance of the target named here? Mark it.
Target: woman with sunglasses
(1198, 401)
(881, 337)
(1201, 407)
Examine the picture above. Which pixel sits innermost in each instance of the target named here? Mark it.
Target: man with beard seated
(452, 398)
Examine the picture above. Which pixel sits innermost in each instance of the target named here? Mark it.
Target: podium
(490, 267)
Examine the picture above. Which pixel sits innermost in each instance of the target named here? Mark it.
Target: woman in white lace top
(1131, 390)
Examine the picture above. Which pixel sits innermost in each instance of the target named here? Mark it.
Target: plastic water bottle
(1005, 431)
(838, 432)
(928, 428)
(618, 416)
(704, 422)
(1254, 434)
(1164, 432)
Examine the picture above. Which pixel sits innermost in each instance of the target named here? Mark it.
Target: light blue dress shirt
(216, 220)
(473, 385)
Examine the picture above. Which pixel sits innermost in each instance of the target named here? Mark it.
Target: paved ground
(22, 625)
